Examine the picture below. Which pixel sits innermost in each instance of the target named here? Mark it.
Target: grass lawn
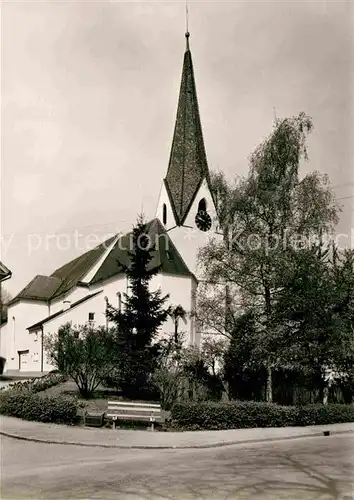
(97, 404)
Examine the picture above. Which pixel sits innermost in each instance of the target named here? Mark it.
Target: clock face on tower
(203, 220)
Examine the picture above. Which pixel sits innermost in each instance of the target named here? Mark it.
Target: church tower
(186, 207)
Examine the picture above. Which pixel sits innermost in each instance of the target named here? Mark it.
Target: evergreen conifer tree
(137, 325)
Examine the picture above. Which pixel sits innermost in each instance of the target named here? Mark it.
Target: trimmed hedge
(21, 400)
(29, 406)
(242, 415)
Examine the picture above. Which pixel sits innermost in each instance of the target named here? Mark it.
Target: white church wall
(180, 290)
(111, 288)
(164, 200)
(14, 336)
(157, 282)
(79, 315)
(72, 296)
(188, 241)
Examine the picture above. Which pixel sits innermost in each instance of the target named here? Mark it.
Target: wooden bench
(134, 411)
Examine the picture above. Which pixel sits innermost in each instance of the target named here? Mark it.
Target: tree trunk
(228, 242)
(325, 395)
(268, 308)
(227, 307)
(176, 331)
(269, 388)
(226, 393)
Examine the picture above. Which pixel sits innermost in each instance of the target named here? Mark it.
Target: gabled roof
(45, 288)
(40, 288)
(72, 272)
(188, 165)
(165, 255)
(62, 311)
(4, 272)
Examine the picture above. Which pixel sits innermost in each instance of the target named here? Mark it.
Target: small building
(5, 273)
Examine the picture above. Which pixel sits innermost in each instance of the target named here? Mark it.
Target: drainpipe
(13, 350)
(42, 350)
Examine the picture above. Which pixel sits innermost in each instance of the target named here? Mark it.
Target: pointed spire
(188, 163)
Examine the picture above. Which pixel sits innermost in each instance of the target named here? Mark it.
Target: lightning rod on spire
(187, 26)
(187, 30)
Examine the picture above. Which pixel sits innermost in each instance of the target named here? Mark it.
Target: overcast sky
(89, 96)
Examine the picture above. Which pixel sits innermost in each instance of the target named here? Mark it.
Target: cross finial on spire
(187, 40)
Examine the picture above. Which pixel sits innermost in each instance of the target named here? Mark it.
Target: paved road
(311, 468)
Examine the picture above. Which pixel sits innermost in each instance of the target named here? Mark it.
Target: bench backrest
(134, 411)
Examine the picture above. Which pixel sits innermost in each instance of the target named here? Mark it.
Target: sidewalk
(119, 438)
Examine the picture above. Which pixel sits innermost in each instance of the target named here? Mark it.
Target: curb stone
(176, 447)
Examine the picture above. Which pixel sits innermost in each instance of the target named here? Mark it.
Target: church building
(78, 291)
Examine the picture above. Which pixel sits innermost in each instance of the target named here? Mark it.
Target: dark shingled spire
(188, 163)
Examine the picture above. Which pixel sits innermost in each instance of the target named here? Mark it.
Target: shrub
(241, 415)
(82, 353)
(24, 404)
(171, 385)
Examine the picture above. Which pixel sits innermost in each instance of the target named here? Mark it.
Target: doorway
(23, 359)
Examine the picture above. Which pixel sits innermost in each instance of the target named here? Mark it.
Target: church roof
(71, 273)
(40, 288)
(165, 254)
(188, 165)
(46, 288)
(65, 278)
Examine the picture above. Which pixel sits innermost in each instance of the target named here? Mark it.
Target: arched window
(164, 213)
(202, 205)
